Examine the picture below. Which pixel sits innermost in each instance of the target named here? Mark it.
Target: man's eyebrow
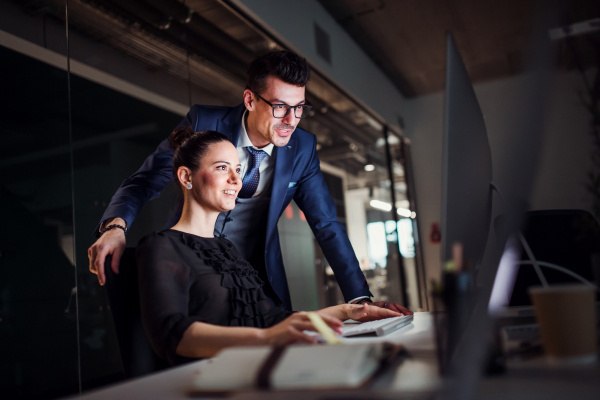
(281, 101)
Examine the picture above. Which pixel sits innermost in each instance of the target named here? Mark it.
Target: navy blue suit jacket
(297, 176)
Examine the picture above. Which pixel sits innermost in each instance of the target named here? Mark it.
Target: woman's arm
(205, 340)
(164, 280)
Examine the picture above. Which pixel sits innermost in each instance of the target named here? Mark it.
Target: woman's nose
(234, 178)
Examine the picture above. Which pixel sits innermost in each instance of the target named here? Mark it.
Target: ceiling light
(369, 167)
(380, 205)
(404, 212)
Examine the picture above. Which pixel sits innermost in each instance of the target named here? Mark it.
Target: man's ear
(249, 99)
(184, 175)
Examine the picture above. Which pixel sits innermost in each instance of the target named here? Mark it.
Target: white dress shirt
(266, 166)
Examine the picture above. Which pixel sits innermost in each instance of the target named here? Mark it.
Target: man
(276, 168)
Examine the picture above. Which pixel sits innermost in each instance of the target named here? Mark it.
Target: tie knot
(256, 153)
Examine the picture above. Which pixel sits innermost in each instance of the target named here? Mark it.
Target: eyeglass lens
(280, 111)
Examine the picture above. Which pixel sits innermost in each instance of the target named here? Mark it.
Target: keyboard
(520, 337)
(380, 327)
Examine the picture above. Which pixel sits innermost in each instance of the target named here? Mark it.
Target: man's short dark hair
(284, 65)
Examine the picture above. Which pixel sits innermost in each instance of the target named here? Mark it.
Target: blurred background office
(88, 91)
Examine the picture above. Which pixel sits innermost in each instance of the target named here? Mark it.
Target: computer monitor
(522, 139)
(467, 165)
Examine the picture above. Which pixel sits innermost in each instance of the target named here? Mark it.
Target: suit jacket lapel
(284, 163)
(230, 124)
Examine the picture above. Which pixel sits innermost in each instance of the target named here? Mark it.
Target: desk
(416, 378)
(415, 375)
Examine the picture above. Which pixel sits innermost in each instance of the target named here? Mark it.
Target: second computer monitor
(467, 165)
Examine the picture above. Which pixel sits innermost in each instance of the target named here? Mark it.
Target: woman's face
(217, 182)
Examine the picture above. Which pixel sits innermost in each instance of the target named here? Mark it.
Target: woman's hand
(290, 330)
(367, 312)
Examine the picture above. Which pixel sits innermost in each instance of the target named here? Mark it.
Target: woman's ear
(184, 175)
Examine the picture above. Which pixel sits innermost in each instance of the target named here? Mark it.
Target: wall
(564, 159)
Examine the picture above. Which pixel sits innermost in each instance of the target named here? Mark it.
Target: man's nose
(290, 119)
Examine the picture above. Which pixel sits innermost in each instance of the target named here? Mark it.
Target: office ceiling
(211, 46)
(406, 37)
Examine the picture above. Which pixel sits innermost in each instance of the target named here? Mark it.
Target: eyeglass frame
(286, 105)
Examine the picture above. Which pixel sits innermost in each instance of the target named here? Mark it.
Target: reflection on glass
(113, 133)
(407, 240)
(38, 331)
(376, 234)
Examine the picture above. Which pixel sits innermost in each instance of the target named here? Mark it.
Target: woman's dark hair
(284, 65)
(191, 146)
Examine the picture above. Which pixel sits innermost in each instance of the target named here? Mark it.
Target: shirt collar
(244, 140)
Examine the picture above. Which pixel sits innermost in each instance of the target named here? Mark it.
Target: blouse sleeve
(164, 294)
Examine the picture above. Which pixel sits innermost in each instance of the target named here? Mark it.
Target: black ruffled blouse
(186, 278)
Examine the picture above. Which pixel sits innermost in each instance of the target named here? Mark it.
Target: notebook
(297, 367)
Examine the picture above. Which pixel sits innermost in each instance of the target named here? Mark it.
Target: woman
(198, 295)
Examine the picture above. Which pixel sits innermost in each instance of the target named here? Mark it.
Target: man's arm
(144, 185)
(313, 198)
(111, 242)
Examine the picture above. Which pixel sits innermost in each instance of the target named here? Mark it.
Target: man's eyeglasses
(282, 110)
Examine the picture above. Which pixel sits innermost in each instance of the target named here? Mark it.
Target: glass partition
(38, 310)
(113, 133)
(134, 77)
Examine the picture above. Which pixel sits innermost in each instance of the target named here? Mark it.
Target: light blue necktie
(252, 177)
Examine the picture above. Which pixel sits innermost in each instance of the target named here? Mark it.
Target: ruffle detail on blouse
(248, 301)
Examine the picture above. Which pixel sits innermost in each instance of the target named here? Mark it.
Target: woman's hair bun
(180, 135)
(189, 147)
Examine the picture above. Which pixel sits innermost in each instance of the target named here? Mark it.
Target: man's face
(263, 128)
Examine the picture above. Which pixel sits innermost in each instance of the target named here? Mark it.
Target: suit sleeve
(313, 198)
(147, 182)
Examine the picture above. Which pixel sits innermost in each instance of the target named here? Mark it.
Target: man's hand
(368, 312)
(393, 306)
(111, 242)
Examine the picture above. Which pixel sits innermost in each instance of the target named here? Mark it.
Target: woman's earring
(189, 186)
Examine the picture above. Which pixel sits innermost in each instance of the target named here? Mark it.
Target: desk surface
(416, 377)
(413, 375)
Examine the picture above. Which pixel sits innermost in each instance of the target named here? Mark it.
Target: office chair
(137, 355)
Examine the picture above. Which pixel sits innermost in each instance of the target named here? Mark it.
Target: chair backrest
(137, 355)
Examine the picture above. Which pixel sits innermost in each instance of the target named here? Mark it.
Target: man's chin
(280, 141)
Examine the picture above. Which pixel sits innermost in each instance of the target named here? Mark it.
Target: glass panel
(409, 245)
(352, 151)
(113, 133)
(137, 92)
(38, 330)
